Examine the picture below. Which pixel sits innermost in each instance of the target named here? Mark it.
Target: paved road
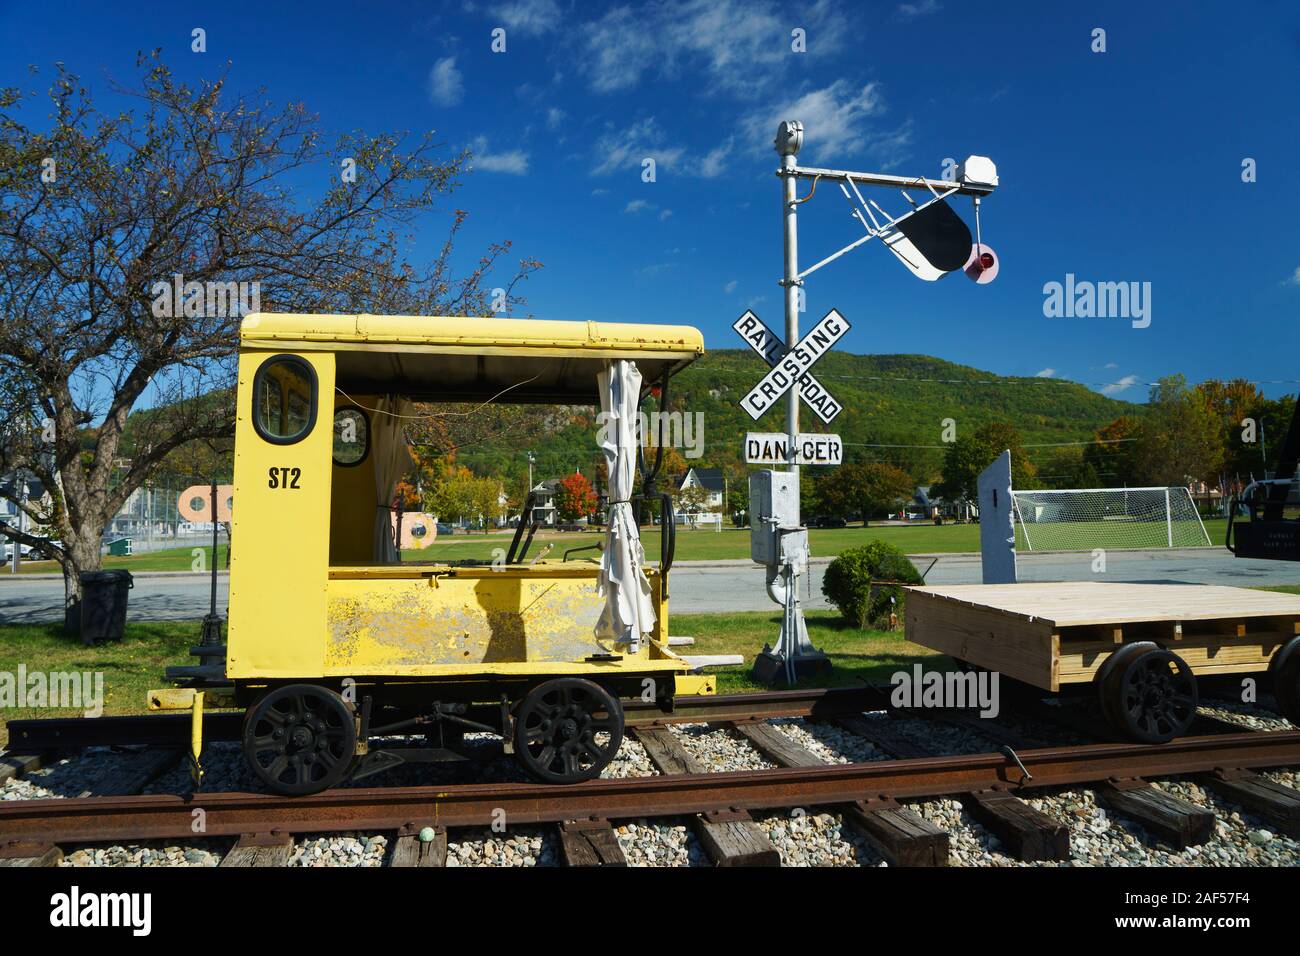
(721, 586)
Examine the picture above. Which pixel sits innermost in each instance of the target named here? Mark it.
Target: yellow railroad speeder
(333, 642)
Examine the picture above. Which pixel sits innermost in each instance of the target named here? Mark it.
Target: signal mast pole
(935, 242)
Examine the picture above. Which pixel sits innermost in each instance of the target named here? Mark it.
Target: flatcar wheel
(300, 739)
(1286, 681)
(1150, 697)
(567, 730)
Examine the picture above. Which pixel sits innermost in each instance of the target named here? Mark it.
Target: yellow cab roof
(475, 358)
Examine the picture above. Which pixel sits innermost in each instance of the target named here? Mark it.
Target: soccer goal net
(1086, 518)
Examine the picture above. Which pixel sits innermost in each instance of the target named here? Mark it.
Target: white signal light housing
(978, 171)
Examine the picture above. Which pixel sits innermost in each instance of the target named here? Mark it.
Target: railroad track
(868, 796)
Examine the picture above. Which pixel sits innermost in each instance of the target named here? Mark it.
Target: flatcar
(1139, 648)
(334, 642)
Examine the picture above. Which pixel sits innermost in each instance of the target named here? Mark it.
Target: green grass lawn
(172, 559)
(703, 545)
(856, 655)
(692, 545)
(131, 667)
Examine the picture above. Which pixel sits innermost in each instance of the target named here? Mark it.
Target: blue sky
(1122, 166)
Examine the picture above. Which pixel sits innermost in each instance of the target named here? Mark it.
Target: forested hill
(887, 399)
(904, 396)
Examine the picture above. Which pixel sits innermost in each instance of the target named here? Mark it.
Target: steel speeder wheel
(1150, 697)
(300, 739)
(567, 730)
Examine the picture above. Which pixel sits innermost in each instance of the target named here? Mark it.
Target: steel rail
(75, 733)
(100, 819)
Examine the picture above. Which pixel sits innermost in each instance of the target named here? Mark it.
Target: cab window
(351, 436)
(284, 399)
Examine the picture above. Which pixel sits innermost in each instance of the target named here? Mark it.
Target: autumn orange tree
(575, 498)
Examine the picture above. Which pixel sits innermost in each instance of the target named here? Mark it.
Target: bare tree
(105, 370)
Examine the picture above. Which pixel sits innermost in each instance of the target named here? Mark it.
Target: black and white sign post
(930, 240)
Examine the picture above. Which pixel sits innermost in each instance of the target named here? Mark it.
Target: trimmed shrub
(847, 583)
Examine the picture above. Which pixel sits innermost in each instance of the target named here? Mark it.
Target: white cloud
(621, 148)
(713, 163)
(838, 120)
(446, 87)
(636, 206)
(1127, 382)
(741, 44)
(919, 8)
(554, 116)
(1045, 373)
(665, 214)
(730, 287)
(529, 17)
(600, 191)
(1294, 279)
(654, 269)
(514, 162)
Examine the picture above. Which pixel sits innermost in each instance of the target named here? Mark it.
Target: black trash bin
(103, 605)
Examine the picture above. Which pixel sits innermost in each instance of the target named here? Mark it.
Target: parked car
(826, 521)
(29, 552)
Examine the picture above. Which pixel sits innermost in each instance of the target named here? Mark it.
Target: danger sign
(773, 448)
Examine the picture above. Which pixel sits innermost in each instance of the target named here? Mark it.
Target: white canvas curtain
(388, 448)
(629, 611)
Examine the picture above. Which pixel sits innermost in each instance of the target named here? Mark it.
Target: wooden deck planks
(1051, 634)
(1091, 603)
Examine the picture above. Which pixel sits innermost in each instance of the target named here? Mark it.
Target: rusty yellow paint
(171, 698)
(304, 601)
(182, 698)
(700, 684)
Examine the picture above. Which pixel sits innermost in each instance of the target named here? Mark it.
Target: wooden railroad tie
(1170, 818)
(30, 854)
(260, 849)
(14, 765)
(731, 838)
(409, 850)
(1274, 802)
(1027, 834)
(142, 768)
(900, 835)
(590, 843)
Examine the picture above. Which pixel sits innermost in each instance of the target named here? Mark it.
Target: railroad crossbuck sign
(791, 366)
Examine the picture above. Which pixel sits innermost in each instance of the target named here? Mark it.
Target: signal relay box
(773, 513)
